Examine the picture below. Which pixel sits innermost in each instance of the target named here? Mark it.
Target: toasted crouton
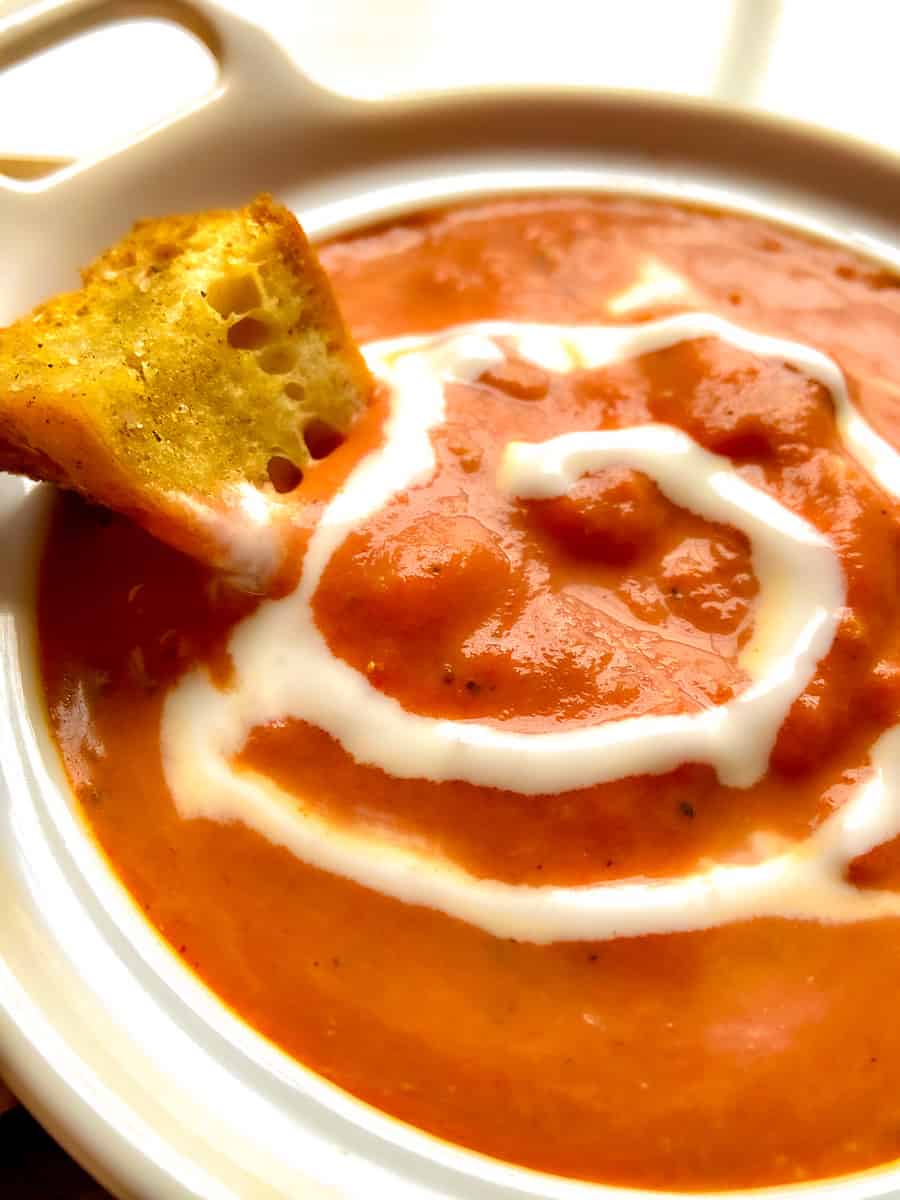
(177, 384)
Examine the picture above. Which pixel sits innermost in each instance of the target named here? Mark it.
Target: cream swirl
(284, 668)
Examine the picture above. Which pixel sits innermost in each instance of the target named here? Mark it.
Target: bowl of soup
(543, 839)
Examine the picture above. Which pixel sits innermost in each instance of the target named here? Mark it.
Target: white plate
(131, 1062)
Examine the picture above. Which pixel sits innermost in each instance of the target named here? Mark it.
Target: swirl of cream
(284, 667)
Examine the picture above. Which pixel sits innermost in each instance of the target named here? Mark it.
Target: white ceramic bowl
(130, 1061)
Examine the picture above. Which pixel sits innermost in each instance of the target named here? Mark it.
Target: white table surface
(828, 61)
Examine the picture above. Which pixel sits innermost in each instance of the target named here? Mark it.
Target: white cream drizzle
(801, 588)
(284, 668)
(656, 283)
(242, 527)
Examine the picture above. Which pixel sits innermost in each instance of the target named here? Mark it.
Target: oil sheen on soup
(555, 810)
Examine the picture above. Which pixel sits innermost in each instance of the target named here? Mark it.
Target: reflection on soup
(556, 811)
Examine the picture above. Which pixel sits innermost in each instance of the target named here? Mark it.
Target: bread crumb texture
(198, 349)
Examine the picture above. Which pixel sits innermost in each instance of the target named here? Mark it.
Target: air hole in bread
(249, 333)
(321, 438)
(284, 475)
(234, 294)
(134, 363)
(278, 360)
(165, 251)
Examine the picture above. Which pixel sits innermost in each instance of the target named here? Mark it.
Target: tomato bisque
(556, 810)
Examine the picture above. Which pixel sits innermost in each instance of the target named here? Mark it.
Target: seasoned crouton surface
(197, 351)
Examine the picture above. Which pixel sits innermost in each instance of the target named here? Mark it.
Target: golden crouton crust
(197, 349)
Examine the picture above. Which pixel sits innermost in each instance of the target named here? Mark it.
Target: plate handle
(259, 90)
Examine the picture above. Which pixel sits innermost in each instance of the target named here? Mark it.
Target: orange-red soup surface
(757, 1053)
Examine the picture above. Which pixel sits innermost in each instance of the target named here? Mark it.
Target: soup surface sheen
(556, 811)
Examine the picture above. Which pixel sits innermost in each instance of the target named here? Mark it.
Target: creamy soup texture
(556, 809)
